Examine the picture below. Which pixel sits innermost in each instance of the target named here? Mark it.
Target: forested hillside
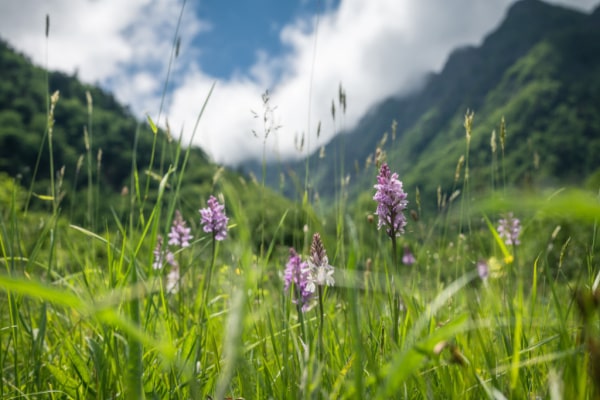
(95, 139)
(24, 103)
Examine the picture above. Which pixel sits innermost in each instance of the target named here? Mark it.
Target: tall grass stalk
(47, 105)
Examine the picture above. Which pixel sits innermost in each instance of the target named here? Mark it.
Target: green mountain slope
(23, 121)
(95, 139)
(540, 69)
(549, 96)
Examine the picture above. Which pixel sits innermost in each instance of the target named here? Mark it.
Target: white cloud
(83, 35)
(374, 48)
(117, 43)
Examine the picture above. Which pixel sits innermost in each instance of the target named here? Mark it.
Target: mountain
(95, 139)
(24, 101)
(540, 70)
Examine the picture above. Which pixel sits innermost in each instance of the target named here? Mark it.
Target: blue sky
(240, 29)
(299, 50)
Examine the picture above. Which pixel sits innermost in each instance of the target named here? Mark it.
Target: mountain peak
(527, 6)
(537, 9)
(530, 20)
(596, 12)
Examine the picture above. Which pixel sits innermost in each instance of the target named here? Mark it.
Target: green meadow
(142, 270)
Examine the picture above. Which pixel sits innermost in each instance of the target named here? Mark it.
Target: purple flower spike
(171, 259)
(321, 273)
(483, 269)
(180, 234)
(214, 219)
(158, 255)
(408, 258)
(296, 276)
(391, 202)
(172, 284)
(509, 229)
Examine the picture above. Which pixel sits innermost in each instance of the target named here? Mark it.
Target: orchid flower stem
(321, 313)
(395, 294)
(207, 281)
(300, 314)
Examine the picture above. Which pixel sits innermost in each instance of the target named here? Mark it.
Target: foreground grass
(86, 315)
